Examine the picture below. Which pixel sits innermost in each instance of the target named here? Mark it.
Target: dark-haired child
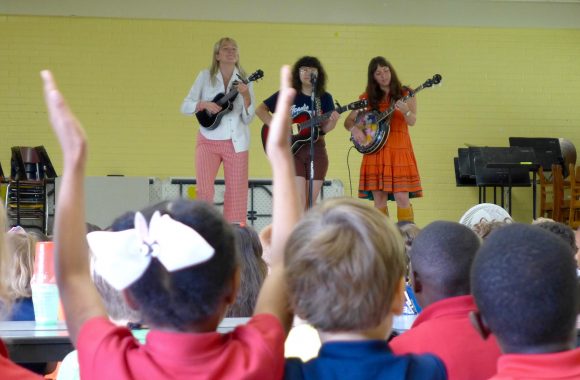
(178, 266)
(345, 268)
(525, 287)
(441, 258)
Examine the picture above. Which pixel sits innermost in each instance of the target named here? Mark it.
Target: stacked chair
(26, 192)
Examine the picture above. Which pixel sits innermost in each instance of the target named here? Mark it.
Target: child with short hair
(441, 259)
(525, 287)
(345, 267)
(178, 266)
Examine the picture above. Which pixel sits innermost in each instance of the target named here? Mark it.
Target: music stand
(506, 167)
(462, 180)
(546, 149)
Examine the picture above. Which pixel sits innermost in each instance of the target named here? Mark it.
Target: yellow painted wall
(126, 80)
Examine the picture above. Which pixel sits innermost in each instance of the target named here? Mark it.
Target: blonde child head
(345, 264)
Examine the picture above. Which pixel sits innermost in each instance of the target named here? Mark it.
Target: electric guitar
(210, 120)
(303, 124)
(377, 125)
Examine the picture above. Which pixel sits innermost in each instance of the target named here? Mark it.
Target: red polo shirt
(561, 365)
(251, 351)
(11, 370)
(443, 329)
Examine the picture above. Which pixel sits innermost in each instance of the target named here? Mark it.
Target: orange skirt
(393, 169)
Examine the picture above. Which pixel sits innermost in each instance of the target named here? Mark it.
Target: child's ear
(129, 300)
(478, 323)
(399, 298)
(416, 282)
(231, 296)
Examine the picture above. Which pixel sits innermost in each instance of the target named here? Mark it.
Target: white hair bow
(122, 257)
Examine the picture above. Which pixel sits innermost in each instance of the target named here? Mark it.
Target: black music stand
(546, 149)
(462, 180)
(465, 172)
(506, 167)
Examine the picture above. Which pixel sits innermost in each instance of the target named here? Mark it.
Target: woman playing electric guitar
(303, 71)
(391, 172)
(230, 140)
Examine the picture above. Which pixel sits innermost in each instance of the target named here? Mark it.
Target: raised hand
(279, 134)
(66, 126)
(79, 297)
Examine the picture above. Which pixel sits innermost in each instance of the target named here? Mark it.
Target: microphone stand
(312, 134)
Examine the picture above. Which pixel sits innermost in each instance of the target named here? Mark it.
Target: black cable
(348, 169)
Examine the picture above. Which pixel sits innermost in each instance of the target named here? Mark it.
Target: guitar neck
(391, 108)
(320, 118)
(227, 97)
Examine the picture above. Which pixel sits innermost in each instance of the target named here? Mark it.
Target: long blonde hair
(21, 248)
(5, 264)
(215, 65)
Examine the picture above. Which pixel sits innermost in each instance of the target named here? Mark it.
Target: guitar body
(303, 124)
(376, 132)
(211, 121)
(299, 137)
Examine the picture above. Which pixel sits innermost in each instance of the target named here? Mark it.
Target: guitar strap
(318, 106)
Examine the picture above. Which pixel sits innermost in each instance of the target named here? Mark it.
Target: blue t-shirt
(369, 359)
(22, 310)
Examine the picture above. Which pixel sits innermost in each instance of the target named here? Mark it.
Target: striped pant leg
(236, 176)
(207, 162)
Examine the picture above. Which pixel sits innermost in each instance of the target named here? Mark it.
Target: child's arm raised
(80, 298)
(286, 210)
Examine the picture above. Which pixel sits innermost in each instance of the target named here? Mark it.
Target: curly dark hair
(188, 296)
(308, 61)
(374, 91)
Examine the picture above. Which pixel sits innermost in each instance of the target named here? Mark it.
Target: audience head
(577, 255)
(5, 263)
(487, 217)
(441, 258)
(115, 304)
(253, 271)
(345, 264)
(524, 282)
(183, 299)
(484, 228)
(409, 231)
(21, 247)
(562, 230)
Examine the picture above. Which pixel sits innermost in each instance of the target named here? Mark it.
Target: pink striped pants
(209, 155)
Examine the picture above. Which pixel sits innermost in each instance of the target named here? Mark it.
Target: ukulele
(210, 120)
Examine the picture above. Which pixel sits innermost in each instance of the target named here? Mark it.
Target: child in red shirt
(176, 262)
(525, 287)
(441, 258)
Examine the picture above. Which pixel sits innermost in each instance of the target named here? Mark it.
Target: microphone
(313, 78)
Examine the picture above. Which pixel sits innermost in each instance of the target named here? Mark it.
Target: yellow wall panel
(126, 80)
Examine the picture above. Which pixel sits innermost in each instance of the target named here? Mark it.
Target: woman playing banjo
(389, 173)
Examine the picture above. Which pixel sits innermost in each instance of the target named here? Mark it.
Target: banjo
(376, 125)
